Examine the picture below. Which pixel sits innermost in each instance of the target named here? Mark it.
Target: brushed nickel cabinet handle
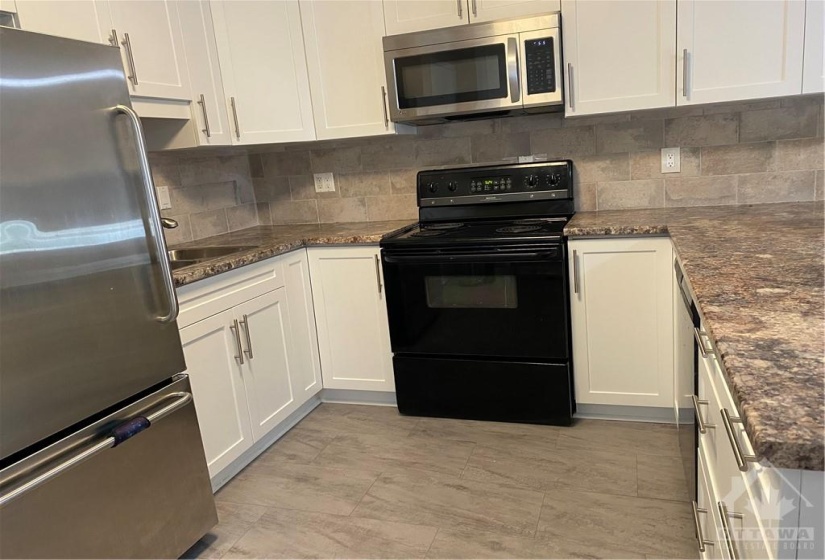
(703, 427)
(113, 38)
(235, 118)
(245, 323)
(685, 73)
(460, 8)
(697, 334)
(205, 129)
(236, 330)
(726, 515)
(571, 102)
(127, 43)
(742, 459)
(384, 106)
(699, 536)
(475, 8)
(378, 274)
(575, 272)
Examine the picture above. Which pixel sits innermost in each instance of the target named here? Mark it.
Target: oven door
(500, 303)
(461, 77)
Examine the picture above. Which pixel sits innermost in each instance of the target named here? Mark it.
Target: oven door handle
(459, 258)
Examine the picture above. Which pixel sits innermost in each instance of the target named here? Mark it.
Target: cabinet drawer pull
(205, 129)
(235, 118)
(127, 43)
(699, 536)
(741, 458)
(726, 515)
(378, 274)
(245, 323)
(699, 421)
(697, 334)
(236, 330)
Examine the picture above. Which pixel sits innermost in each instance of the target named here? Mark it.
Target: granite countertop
(757, 274)
(270, 241)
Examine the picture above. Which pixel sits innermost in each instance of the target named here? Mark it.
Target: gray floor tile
(662, 478)
(234, 520)
(296, 486)
(386, 452)
(437, 500)
(284, 533)
(347, 419)
(467, 544)
(524, 438)
(655, 527)
(622, 437)
(300, 445)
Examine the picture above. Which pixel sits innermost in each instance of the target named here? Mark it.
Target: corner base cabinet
(622, 321)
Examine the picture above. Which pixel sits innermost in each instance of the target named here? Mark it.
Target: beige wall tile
(667, 113)
(739, 106)
(281, 164)
(294, 212)
(264, 218)
(180, 234)
(800, 154)
(403, 181)
(710, 130)
(629, 136)
(342, 210)
(819, 187)
(188, 200)
(165, 174)
(608, 167)
(778, 124)
(388, 153)
(529, 123)
(397, 207)
(648, 165)
(337, 160)
(459, 129)
(302, 187)
(272, 190)
(617, 195)
(256, 166)
(701, 191)
(584, 196)
(787, 186)
(495, 147)
(443, 151)
(738, 158)
(564, 142)
(370, 183)
(242, 217)
(206, 224)
(592, 120)
(813, 99)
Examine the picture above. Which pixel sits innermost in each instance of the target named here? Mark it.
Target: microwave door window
(453, 76)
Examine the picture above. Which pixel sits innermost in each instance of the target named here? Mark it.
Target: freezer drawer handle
(154, 216)
(118, 435)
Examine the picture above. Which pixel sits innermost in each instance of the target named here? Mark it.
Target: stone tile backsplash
(733, 153)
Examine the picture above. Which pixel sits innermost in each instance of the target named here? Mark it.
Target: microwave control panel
(541, 74)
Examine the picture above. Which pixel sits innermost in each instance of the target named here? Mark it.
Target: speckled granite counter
(757, 274)
(270, 241)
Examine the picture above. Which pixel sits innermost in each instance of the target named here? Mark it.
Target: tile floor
(365, 482)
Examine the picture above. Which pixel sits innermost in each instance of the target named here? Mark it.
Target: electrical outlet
(324, 182)
(671, 160)
(164, 201)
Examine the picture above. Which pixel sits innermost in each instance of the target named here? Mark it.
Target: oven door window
(452, 76)
(472, 291)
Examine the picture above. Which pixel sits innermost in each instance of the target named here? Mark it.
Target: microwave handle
(513, 68)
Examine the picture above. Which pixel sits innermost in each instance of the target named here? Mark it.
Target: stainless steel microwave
(491, 68)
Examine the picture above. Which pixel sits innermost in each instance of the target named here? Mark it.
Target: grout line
(437, 529)
(365, 494)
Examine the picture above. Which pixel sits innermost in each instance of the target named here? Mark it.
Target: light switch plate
(324, 182)
(164, 201)
(671, 160)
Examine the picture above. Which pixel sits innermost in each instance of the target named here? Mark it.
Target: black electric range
(477, 295)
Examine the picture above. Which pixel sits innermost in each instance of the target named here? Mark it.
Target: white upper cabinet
(209, 116)
(404, 16)
(346, 67)
(739, 49)
(813, 77)
(151, 45)
(488, 10)
(620, 55)
(262, 60)
(85, 20)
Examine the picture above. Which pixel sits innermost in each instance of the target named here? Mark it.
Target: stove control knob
(531, 181)
(554, 179)
(432, 187)
(452, 185)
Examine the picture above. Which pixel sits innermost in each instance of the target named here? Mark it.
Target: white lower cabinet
(622, 321)
(351, 314)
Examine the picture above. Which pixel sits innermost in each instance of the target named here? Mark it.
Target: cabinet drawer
(707, 515)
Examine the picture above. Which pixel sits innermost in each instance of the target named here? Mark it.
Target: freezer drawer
(148, 497)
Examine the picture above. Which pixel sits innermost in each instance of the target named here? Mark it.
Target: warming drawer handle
(701, 424)
(154, 216)
(123, 431)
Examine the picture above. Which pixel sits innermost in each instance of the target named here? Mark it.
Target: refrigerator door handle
(119, 434)
(154, 216)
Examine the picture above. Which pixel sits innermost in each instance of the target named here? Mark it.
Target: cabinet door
(346, 67)
(610, 69)
(84, 20)
(211, 351)
(404, 16)
(208, 107)
(151, 42)
(264, 324)
(813, 77)
(261, 53)
(488, 10)
(739, 49)
(622, 319)
(304, 361)
(351, 314)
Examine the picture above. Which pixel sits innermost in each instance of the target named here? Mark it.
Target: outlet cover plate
(164, 201)
(671, 160)
(324, 182)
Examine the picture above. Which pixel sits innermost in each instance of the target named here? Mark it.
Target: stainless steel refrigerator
(100, 450)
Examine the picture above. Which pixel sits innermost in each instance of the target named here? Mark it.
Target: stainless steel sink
(204, 253)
